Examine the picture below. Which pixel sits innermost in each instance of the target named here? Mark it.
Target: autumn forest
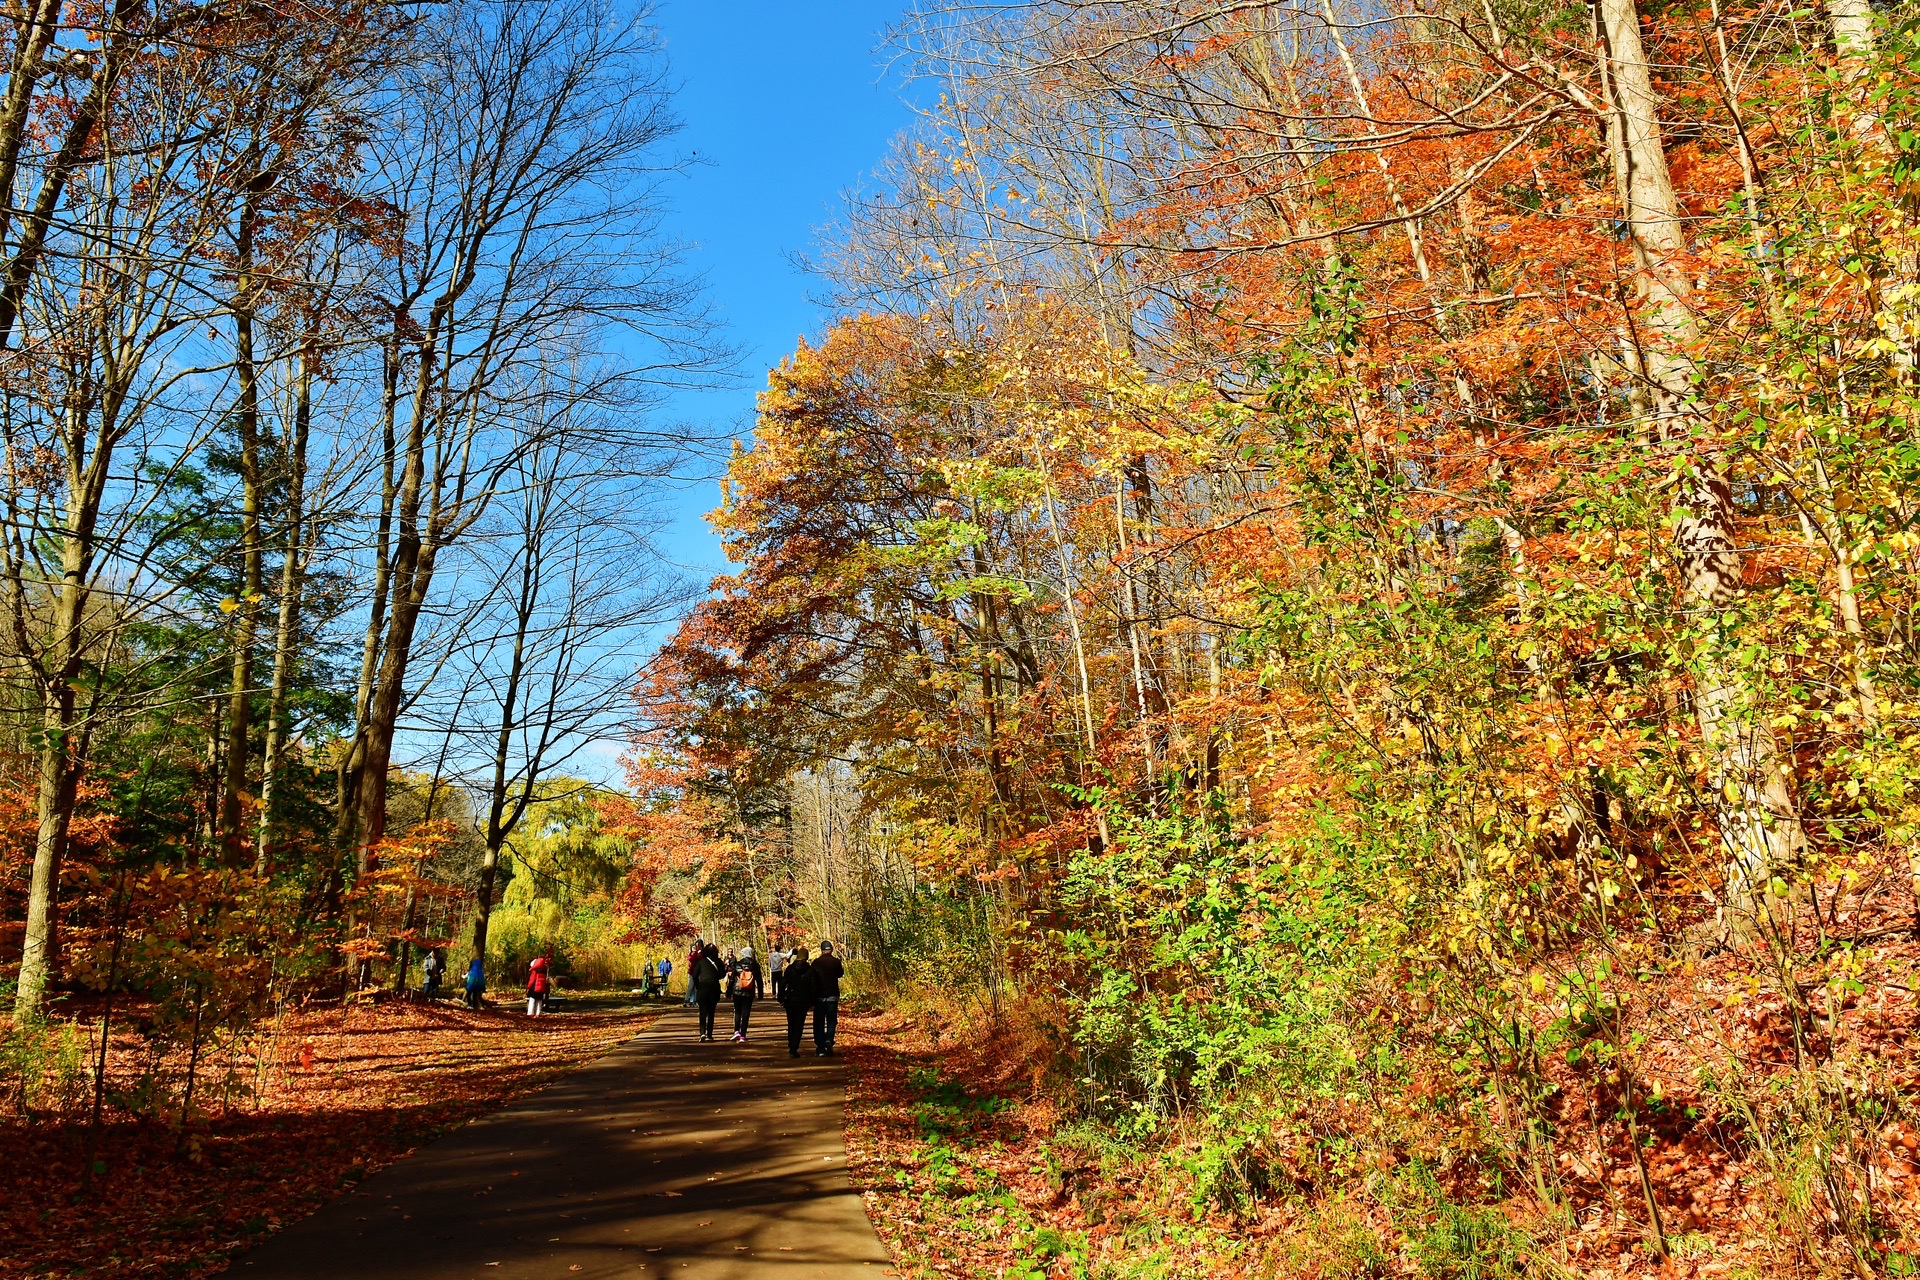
(1330, 623)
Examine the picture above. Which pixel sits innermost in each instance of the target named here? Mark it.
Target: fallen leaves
(361, 1089)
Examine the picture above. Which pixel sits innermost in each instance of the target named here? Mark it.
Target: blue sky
(785, 105)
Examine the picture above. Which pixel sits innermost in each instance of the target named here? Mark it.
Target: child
(537, 987)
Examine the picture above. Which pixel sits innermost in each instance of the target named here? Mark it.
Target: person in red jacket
(693, 960)
(539, 985)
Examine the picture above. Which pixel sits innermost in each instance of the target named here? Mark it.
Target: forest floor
(350, 1091)
(971, 1166)
(969, 1169)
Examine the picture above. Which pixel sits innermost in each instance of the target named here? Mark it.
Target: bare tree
(525, 162)
(580, 592)
(292, 125)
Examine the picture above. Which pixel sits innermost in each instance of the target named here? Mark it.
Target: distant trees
(577, 597)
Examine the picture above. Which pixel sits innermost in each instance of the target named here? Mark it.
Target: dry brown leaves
(941, 1221)
(1717, 1051)
(350, 1092)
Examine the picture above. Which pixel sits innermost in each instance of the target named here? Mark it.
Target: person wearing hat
(827, 972)
(745, 984)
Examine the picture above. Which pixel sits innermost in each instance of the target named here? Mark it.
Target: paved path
(667, 1158)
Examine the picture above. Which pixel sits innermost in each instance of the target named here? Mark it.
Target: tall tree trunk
(1759, 827)
(370, 821)
(1857, 43)
(247, 607)
(54, 792)
(351, 764)
(86, 480)
(36, 957)
(355, 770)
(1852, 24)
(1130, 602)
(411, 576)
(286, 629)
(500, 820)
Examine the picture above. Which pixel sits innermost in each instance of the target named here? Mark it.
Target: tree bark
(1759, 828)
(86, 481)
(247, 605)
(1852, 25)
(292, 582)
(411, 575)
(347, 781)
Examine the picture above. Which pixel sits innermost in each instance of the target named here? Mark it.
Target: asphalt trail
(667, 1158)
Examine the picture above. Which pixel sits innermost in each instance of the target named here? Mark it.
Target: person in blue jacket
(476, 982)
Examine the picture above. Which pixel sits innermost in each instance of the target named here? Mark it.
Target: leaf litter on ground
(347, 1092)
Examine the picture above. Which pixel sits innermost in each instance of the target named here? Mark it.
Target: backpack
(537, 983)
(744, 983)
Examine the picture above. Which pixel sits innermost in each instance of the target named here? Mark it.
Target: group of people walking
(433, 970)
(539, 982)
(801, 984)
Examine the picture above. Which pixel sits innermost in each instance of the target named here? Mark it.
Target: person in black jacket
(827, 972)
(796, 992)
(744, 987)
(705, 981)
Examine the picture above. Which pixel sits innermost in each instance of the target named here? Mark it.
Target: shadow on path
(666, 1158)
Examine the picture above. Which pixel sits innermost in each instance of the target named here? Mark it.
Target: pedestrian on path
(693, 962)
(539, 986)
(705, 981)
(796, 993)
(746, 989)
(430, 970)
(476, 982)
(777, 968)
(827, 972)
(666, 971)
